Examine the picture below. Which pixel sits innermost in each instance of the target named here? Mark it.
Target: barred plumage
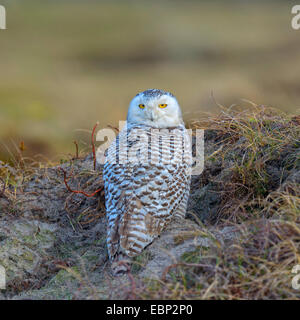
(147, 181)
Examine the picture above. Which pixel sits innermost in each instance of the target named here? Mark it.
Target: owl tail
(120, 265)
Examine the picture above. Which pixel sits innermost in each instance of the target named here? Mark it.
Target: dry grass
(257, 152)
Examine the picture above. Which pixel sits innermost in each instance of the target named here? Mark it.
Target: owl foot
(121, 265)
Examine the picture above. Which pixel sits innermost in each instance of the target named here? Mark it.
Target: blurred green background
(66, 64)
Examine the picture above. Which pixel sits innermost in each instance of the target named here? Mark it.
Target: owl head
(155, 108)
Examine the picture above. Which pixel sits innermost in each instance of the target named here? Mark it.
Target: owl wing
(140, 201)
(157, 193)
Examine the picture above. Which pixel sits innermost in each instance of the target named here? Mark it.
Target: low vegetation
(242, 235)
(258, 155)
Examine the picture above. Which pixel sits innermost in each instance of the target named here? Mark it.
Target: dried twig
(93, 143)
(2, 193)
(132, 292)
(114, 128)
(133, 285)
(78, 191)
(77, 152)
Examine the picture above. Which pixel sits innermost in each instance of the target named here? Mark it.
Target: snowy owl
(147, 174)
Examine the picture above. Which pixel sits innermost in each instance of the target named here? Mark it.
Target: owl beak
(152, 115)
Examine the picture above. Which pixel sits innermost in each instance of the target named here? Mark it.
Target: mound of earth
(53, 241)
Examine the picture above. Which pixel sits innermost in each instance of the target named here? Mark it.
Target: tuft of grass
(260, 150)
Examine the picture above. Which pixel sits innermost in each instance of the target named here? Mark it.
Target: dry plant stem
(78, 191)
(131, 294)
(114, 128)
(93, 143)
(94, 159)
(77, 152)
(2, 193)
(133, 286)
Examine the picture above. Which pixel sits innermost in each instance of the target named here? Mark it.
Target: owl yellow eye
(141, 106)
(163, 105)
